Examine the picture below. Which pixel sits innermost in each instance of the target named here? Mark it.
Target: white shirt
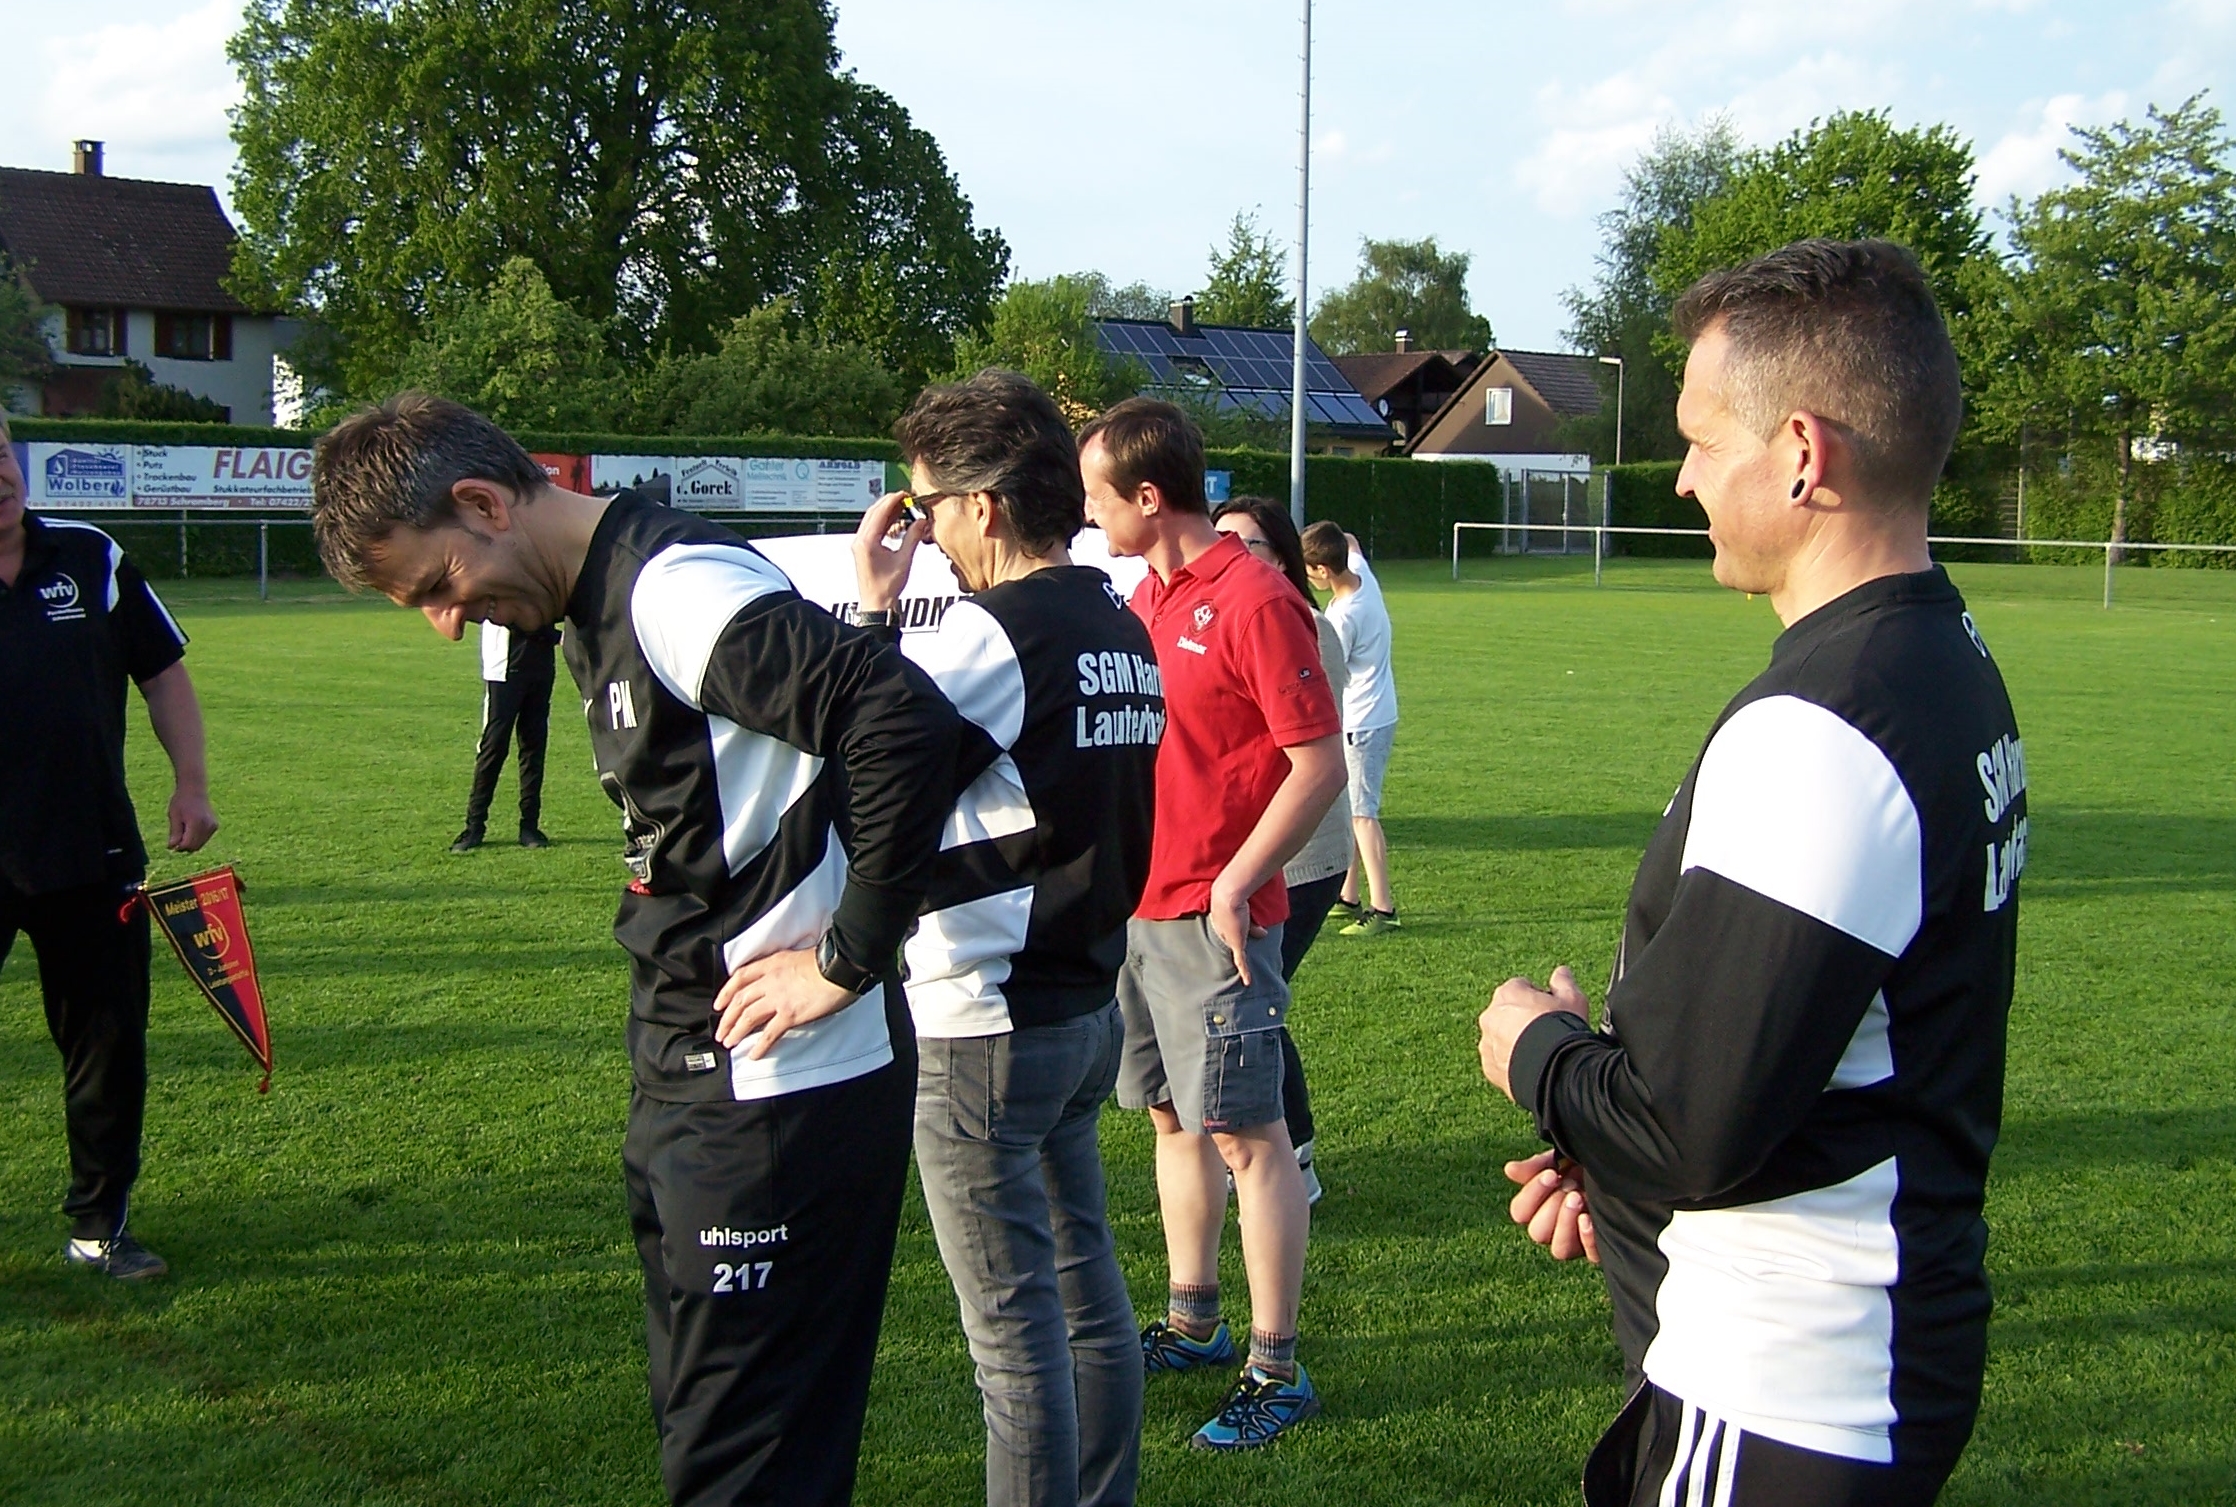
(1363, 625)
(496, 647)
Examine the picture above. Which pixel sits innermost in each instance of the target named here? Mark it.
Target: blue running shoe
(1164, 1348)
(1259, 1410)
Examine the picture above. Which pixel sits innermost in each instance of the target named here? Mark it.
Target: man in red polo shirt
(1250, 761)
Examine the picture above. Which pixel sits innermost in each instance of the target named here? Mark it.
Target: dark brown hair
(394, 466)
(1848, 331)
(1325, 546)
(1150, 440)
(999, 433)
(1272, 518)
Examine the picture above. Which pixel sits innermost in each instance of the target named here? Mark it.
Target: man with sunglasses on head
(1013, 967)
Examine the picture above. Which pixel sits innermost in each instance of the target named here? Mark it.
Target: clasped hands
(1550, 1203)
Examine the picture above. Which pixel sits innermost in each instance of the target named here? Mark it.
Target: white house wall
(243, 384)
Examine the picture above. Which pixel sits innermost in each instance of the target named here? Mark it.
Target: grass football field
(404, 1276)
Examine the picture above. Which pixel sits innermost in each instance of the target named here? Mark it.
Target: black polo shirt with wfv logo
(78, 623)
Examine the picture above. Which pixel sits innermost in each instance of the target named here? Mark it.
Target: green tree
(772, 377)
(1248, 281)
(519, 355)
(25, 357)
(668, 165)
(1850, 177)
(132, 392)
(1046, 330)
(1136, 300)
(2119, 321)
(1625, 312)
(1402, 285)
(905, 273)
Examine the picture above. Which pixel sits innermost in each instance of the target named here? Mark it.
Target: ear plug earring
(1801, 485)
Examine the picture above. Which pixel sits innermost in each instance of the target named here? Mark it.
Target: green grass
(403, 1277)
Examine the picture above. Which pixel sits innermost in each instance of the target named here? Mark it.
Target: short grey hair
(394, 466)
(1848, 331)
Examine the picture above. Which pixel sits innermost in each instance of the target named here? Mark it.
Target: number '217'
(744, 1277)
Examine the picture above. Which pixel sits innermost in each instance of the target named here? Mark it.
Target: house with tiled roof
(135, 270)
(1512, 409)
(1406, 385)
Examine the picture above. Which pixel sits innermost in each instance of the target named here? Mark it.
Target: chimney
(85, 159)
(1404, 341)
(1184, 316)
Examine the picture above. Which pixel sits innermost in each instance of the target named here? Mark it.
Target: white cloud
(2025, 161)
(156, 91)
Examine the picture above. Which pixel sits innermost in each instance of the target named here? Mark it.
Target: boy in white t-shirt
(1370, 712)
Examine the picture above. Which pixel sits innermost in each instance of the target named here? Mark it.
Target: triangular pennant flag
(202, 917)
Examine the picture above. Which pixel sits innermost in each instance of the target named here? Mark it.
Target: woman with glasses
(1315, 875)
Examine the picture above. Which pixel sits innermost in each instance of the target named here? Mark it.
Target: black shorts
(1662, 1449)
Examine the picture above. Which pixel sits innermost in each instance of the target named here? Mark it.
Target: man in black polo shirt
(782, 780)
(76, 621)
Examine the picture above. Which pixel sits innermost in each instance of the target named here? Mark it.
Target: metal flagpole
(1304, 236)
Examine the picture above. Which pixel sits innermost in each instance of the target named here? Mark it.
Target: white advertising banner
(77, 475)
(743, 484)
(822, 570)
(197, 476)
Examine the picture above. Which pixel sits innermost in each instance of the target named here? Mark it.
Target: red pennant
(202, 917)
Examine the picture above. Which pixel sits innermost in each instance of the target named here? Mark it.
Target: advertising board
(241, 476)
(74, 474)
(743, 484)
(821, 568)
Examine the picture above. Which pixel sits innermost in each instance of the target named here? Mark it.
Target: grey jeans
(1012, 1170)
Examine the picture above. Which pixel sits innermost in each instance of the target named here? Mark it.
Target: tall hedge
(1398, 508)
(1644, 495)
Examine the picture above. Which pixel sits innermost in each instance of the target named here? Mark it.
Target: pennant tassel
(202, 918)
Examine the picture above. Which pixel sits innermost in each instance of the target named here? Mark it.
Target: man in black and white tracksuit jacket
(1013, 967)
(782, 779)
(1782, 1125)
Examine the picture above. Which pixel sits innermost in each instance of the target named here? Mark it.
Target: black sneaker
(123, 1258)
(532, 837)
(468, 840)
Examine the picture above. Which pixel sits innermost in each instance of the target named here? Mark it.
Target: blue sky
(1124, 136)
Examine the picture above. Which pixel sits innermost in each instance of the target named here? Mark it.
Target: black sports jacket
(1785, 1121)
(1046, 852)
(777, 773)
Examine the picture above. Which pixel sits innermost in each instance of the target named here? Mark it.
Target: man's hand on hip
(772, 995)
(1513, 1008)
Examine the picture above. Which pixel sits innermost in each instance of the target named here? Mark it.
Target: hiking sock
(1273, 1355)
(1194, 1311)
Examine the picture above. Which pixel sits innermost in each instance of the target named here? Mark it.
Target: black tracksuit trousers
(93, 970)
(522, 704)
(766, 1230)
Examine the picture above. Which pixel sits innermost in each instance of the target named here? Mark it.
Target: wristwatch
(873, 617)
(837, 969)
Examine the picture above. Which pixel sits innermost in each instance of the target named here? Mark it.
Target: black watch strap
(838, 969)
(874, 617)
